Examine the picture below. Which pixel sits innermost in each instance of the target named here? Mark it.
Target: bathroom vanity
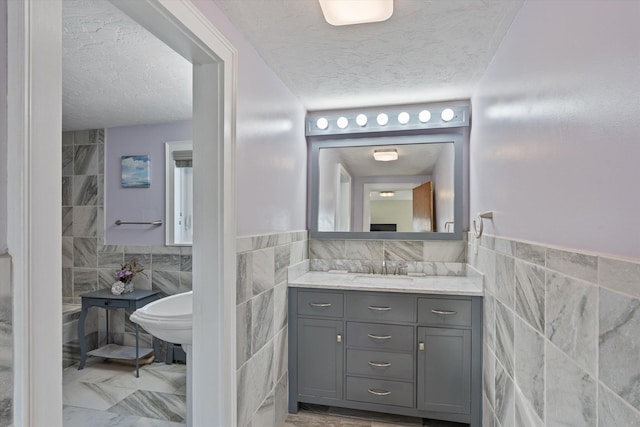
(394, 344)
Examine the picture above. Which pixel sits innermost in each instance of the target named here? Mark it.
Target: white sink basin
(382, 280)
(168, 318)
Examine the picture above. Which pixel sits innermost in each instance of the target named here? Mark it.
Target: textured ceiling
(413, 159)
(115, 73)
(427, 51)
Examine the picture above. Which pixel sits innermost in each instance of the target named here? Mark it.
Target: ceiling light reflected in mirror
(385, 155)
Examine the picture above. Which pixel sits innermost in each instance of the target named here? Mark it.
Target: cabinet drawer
(380, 336)
(325, 304)
(381, 307)
(442, 311)
(383, 364)
(382, 392)
(114, 303)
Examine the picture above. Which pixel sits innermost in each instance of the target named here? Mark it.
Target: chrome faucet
(384, 267)
(399, 267)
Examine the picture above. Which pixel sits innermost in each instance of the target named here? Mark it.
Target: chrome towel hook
(477, 223)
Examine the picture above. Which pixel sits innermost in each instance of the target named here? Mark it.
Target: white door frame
(34, 227)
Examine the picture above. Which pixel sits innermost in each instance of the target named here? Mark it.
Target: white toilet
(170, 320)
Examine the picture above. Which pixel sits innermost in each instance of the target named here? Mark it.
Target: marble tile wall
(262, 263)
(88, 264)
(6, 342)
(561, 336)
(431, 257)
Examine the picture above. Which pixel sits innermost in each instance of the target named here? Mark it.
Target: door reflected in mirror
(413, 193)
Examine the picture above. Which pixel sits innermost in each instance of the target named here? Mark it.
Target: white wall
(271, 146)
(443, 187)
(358, 194)
(399, 212)
(138, 204)
(327, 183)
(554, 143)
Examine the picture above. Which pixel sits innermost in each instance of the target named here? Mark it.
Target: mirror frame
(441, 136)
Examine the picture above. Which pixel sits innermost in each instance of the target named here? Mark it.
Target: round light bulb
(447, 114)
(342, 122)
(403, 118)
(361, 120)
(424, 116)
(382, 119)
(322, 123)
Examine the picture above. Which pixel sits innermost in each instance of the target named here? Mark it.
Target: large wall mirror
(397, 187)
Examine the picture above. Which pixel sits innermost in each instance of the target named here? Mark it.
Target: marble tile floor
(107, 393)
(325, 416)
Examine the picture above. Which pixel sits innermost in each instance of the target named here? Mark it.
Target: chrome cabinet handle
(380, 364)
(379, 392)
(421, 346)
(379, 337)
(434, 311)
(338, 338)
(373, 307)
(320, 304)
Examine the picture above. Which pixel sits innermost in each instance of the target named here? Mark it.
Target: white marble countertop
(448, 285)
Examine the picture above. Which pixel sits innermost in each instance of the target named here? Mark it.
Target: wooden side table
(129, 302)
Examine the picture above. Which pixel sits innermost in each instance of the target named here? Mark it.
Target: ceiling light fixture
(361, 120)
(382, 119)
(342, 122)
(322, 123)
(403, 118)
(424, 116)
(349, 12)
(387, 193)
(447, 114)
(386, 155)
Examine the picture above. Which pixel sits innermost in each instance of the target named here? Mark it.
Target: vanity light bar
(386, 119)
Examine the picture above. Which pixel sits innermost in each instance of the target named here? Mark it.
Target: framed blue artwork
(136, 171)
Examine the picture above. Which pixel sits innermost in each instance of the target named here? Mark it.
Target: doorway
(34, 162)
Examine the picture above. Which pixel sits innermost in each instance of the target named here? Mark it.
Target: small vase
(117, 288)
(128, 288)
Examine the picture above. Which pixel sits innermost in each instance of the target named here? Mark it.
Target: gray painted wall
(554, 143)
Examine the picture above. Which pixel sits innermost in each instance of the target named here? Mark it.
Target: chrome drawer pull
(380, 364)
(443, 311)
(373, 307)
(379, 337)
(379, 392)
(320, 304)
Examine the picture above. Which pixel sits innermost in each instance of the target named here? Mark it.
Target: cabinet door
(444, 370)
(320, 358)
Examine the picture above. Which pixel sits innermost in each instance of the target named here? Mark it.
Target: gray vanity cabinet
(320, 358)
(444, 370)
(400, 353)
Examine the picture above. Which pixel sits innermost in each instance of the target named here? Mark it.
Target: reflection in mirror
(413, 193)
(179, 193)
